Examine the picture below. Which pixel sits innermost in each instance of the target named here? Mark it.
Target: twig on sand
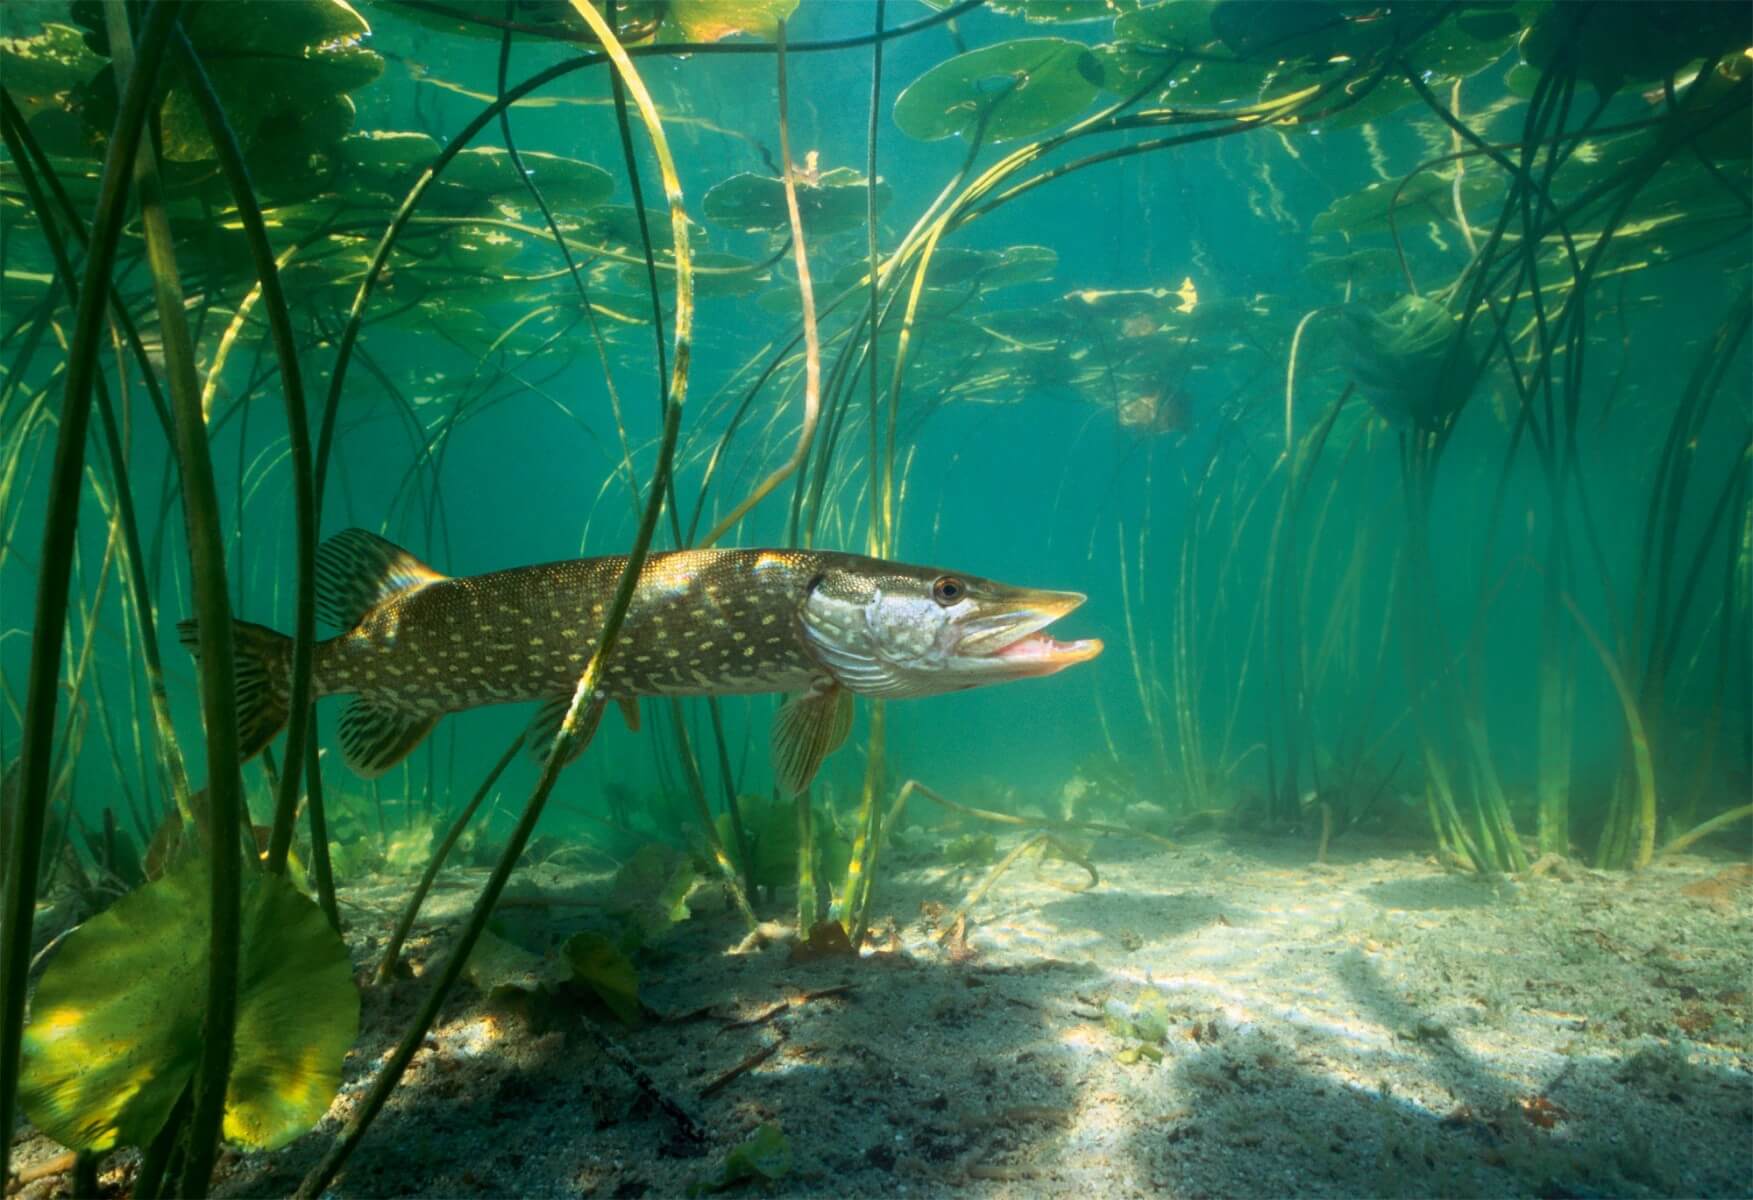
(748, 1064)
(783, 1006)
(685, 1124)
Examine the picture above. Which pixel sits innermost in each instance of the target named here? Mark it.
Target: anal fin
(808, 729)
(375, 735)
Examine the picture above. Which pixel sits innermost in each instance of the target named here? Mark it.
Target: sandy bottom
(1372, 1027)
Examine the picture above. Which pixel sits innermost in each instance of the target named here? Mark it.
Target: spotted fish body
(419, 644)
(701, 622)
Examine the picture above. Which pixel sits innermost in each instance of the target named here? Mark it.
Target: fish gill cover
(1355, 393)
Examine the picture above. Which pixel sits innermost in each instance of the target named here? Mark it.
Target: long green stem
(386, 966)
(60, 524)
(298, 725)
(585, 709)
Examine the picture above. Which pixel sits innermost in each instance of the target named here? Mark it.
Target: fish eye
(947, 590)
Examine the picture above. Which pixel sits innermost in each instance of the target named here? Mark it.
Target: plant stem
(60, 524)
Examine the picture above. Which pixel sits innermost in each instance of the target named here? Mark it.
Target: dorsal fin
(357, 571)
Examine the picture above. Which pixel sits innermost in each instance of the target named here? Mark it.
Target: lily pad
(1426, 194)
(1633, 43)
(634, 23)
(1286, 30)
(115, 1031)
(282, 69)
(1359, 265)
(716, 20)
(833, 202)
(1064, 12)
(1016, 89)
(484, 180)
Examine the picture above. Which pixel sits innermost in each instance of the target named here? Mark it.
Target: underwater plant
(1394, 516)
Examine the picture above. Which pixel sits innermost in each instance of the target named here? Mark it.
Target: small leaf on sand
(598, 965)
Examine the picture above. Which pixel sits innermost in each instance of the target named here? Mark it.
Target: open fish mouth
(1014, 643)
(1039, 650)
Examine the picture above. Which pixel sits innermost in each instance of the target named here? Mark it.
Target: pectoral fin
(376, 736)
(546, 726)
(808, 729)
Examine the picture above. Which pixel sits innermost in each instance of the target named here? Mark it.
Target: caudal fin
(263, 665)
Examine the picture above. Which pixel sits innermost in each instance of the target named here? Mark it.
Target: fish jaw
(897, 636)
(1011, 644)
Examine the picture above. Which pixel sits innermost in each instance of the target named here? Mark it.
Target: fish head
(883, 629)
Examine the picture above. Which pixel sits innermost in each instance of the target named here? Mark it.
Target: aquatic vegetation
(116, 1031)
(1413, 486)
(763, 1157)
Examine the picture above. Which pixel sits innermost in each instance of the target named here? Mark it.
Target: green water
(1380, 373)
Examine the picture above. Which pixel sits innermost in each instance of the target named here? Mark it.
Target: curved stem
(812, 389)
(386, 966)
(298, 725)
(60, 525)
(586, 706)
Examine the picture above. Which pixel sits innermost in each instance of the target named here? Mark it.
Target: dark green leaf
(1013, 90)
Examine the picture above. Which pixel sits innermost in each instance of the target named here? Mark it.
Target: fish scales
(700, 622)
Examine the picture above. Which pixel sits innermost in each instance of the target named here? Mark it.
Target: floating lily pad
(834, 202)
(1429, 192)
(1633, 43)
(616, 227)
(1283, 30)
(1013, 90)
(1340, 269)
(1064, 12)
(634, 22)
(1022, 264)
(483, 181)
(115, 1031)
(282, 70)
(716, 20)
(1177, 38)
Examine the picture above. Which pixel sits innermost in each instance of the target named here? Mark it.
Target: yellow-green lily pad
(116, 1023)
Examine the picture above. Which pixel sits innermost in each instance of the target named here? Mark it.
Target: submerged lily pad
(833, 202)
(1065, 12)
(635, 22)
(1615, 44)
(715, 20)
(1340, 269)
(1428, 192)
(115, 1031)
(1001, 93)
(484, 178)
(282, 69)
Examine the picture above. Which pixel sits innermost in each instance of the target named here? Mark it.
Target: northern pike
(825, 625)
